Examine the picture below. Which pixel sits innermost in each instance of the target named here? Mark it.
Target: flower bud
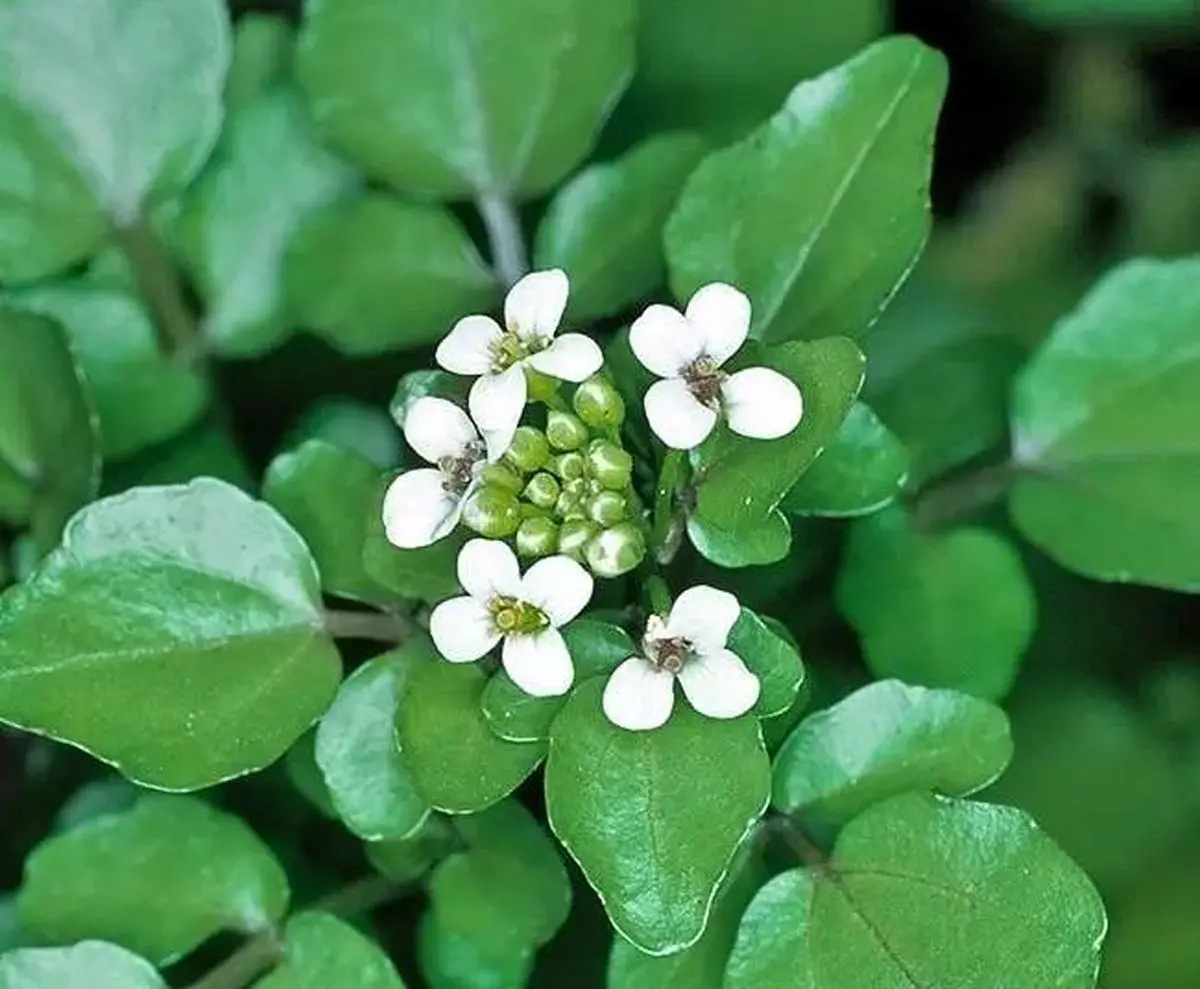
(542, 490)
(616, 551)
(565, 431)
(610, 465)
(598, 403)
(529, 450)
(574, 537)
(569, 506)
(537, 538)
(501, 476)
(569, 466)
(493, 512)
(577, 488)
(606, 508)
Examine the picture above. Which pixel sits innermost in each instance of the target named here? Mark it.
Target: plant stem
(664, 538)
(162, 291)
(505, 238)
(795, 837)
(659, 594)
(376, 626)
(949, 501)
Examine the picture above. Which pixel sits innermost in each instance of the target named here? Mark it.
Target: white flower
(479, 346)
(526, 612)
(689, 646)
(688, 350)
(421, 506)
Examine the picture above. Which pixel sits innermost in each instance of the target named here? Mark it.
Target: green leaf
(320, 952)
(458, 764)
(820, 214)
(773, 659)
(408, 860)
(1104, 431)
(654, 844)
(266, 177)
(202, 452)
(597, 648)
(915, 886)
(194, 605)
(300, 767)
(327, 492)
(508, 889)
(862, 470)
(454, 961)
(768, 542)
(360, 758)
(375, 273)
(158, 879)
(93, 964)
(262, 56)
(113, 105)
(605, 226)
(456, 100)
(741, 481)
(353, 425)
(884, 740)
(142, 396)
(949, 610)
(49, 456)
(429, 573)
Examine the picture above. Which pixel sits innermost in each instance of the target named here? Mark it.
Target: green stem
(663, 534)
(377, 626)
(963, 495)
(505, 238)
(162, 290)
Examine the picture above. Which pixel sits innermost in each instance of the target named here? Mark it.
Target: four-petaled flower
(688, 350)
(478, 345)
(689, 645)
(421, 506)
(526, 612)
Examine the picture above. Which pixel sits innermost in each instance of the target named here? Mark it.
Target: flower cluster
(560, 486)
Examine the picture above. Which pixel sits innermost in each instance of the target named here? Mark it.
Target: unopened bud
(493, 512)
(501, 476)
(529, 450)
(598, 403)
(616, 551)
(574, 537)
(569, 466)
(610, 465)
(537, 538)
(565, 431)
(542, 490)
(569, 506)
(606, 508)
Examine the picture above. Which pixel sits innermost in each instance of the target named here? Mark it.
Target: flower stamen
(704, 379)
(459, 472)
(512, 616)
(664, 652)
(510, 349)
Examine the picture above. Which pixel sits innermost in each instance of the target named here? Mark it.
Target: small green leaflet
(322, 952)
(454, 961)
(93, 964)
(771, 658)
(756, 546)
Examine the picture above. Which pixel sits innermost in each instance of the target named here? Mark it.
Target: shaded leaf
(320, 952)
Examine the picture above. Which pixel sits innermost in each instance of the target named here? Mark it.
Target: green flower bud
(529, 450)
(569, 506)
(598, 403)
(565, 431)
(577, 489)
(537, 537)
(616, 551)
(574, 536)
(569, 466)
(501, 476)
(542, 490)
(493, 512)
(610, 465)
(607, 508)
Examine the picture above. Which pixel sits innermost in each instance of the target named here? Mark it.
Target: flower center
(510, 349)
(704, 378)
(515, 617)
(459, 472)
(664, 652)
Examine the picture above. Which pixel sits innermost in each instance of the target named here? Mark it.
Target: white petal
(497, 402)
(664, 341)
(535, 305)
(720, 314)
(487, 568)
(676, 417)
(559, 586)
(539, 664)
(719, 685)
(462, 630)
(761, 404)
(572, 357)
(436, 428)
(417, 509)
(705, 616)
(639, 696)
(467, 349)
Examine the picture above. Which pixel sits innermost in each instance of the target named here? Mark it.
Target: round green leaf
(820, 214)
(597, 648)
(862, 470)
(741, 481)
(457, 762)
(886, 739)
(475, 97)
(429, 573)
(1105, 431)
(454, 961)
(926, 891)
(49, 456)
(951, 610)
(321, 952)
(267, 175)
(759, 545)
(653, 843)
(353, 425)
(195, 606)
(376, 273)
(158, 879)
(605, 226)
(116, 103)
(360, 757)
(89, 965)
(773, 659)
